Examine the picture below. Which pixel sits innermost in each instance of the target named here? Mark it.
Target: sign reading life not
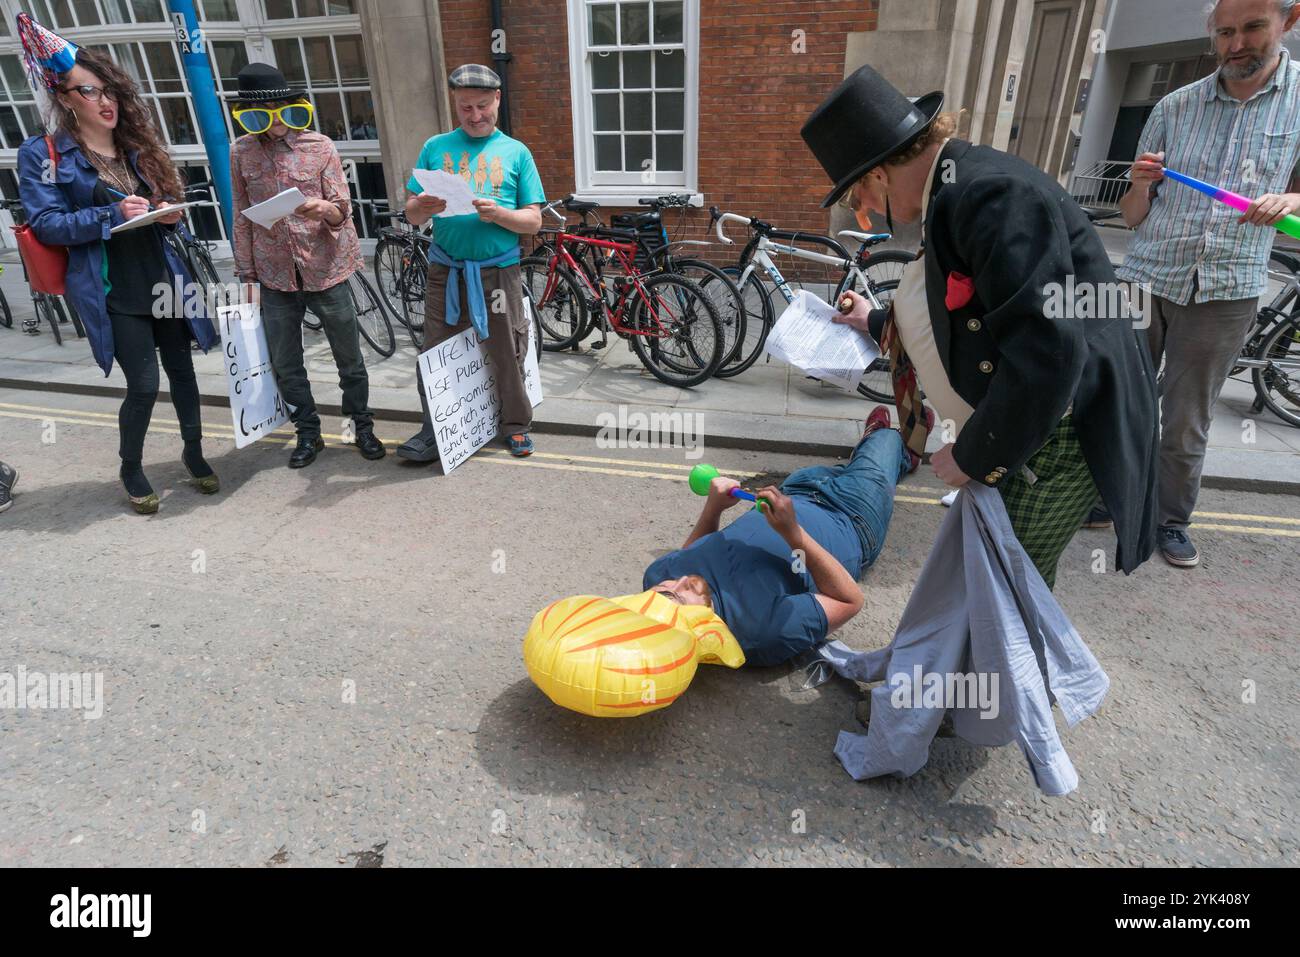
(460, 388)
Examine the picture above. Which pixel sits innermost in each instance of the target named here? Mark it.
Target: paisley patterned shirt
(321, 254)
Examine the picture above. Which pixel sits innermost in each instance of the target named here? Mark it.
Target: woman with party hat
(103, 165)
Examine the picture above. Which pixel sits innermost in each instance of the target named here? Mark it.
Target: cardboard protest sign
(255, 401)
(461, 388)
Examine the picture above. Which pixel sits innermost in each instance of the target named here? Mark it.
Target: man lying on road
(784, 579)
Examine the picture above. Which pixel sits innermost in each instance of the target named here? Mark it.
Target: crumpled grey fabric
(978, 606)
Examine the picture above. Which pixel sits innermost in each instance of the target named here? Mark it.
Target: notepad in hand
(144, 219)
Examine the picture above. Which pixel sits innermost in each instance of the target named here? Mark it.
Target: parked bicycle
(670, 324)
(400, 244)
(873, 275)
(372, 315)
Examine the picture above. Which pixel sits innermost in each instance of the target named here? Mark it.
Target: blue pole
(207, 106)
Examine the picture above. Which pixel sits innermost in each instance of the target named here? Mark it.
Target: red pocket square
(961, 290)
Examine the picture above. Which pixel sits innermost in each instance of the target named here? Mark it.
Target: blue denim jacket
(62, 214)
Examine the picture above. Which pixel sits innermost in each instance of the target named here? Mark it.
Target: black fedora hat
(263, 83)
(863, 123)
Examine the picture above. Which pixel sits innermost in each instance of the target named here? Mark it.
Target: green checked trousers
(1046, 514)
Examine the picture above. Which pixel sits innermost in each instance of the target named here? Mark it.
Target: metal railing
(1101, 185)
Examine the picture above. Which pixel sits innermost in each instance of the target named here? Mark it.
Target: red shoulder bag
(47, 266)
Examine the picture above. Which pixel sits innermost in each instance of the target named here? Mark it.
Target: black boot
(371, 448)
(305, 453)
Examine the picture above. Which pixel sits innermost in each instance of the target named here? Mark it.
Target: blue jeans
(863, 488)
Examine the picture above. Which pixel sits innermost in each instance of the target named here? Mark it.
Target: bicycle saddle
(867, 239)
(578, 206)
(640, 220)
(1291, 262)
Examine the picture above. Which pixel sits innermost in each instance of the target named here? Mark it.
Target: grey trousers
(282, 314)
(1199, 343)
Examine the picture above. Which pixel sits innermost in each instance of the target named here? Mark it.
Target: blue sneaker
(521, 445)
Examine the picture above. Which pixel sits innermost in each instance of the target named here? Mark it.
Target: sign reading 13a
(190, 42)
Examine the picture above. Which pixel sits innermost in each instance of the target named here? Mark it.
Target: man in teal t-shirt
(477, 254)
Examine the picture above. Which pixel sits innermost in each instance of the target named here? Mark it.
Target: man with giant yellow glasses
(303, 261)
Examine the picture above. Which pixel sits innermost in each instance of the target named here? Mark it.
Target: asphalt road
(230, 629)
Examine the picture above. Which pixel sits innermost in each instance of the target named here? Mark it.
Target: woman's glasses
(256, 119)
(94, 94)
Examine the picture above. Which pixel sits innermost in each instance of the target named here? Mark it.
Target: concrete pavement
(770, 407)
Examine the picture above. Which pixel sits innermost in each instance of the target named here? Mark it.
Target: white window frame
(625, 188)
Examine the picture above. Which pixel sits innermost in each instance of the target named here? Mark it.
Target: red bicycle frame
(625, 253)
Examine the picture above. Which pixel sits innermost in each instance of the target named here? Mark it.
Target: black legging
(137, 342)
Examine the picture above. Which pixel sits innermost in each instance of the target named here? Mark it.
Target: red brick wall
(755, 94)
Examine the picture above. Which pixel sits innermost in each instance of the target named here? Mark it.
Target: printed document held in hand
(282, 204)
(448, 187)
(806, 338)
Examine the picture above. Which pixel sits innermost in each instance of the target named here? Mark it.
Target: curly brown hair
(944, 126)
(136, 131)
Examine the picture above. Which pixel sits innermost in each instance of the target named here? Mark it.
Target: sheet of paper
(806, 338)
(154, 215)
(282, 204)
(449, 187)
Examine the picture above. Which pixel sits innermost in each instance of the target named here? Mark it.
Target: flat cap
(474, 76)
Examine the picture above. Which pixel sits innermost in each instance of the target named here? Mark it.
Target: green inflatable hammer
(702, 477)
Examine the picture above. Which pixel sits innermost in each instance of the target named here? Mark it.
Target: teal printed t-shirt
(496, 167)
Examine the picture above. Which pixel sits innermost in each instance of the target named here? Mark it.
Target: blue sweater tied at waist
(472, 269)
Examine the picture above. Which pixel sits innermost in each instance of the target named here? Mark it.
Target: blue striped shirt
(1247, 147)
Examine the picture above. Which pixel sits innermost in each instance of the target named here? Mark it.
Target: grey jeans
(1199, 343)
(282, 314)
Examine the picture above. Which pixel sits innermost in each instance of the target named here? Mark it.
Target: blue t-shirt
(770, 608)
(496, 167)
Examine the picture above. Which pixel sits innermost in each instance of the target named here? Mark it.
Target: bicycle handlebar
(719, 218)
(666, 202)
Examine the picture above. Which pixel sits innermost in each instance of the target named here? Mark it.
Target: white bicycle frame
(763, 260)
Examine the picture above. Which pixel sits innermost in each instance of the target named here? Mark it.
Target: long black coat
(1018, 361)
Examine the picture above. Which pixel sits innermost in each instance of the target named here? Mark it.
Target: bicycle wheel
(205, 273)
(758, 323)
(558, 302)
(372, 317)
(415, 276)
(45, 310)
(887, 265)
(1278, 385)
(6, 317)
(877, 384)
(678, 335)
(390, 253)
(720, 290)
(72, 314)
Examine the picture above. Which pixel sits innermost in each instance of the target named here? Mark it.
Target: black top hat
(263, 83)
(863, 123)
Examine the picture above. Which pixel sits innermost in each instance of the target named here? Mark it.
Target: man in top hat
(474, 273)
(303, 261)
(1049, 407)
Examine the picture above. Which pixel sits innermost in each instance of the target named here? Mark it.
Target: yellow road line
(1247, 518)
(502, 457)
(1248, 530)
(286, 431)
